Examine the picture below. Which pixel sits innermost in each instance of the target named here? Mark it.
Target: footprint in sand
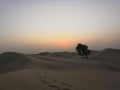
(65, 89)
(51, 85)
(54, 80)
(43, 81)
(58, 88)
(65, 84)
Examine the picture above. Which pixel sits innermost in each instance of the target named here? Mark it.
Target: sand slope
(11, 61)
(41, 72)
(108, 55)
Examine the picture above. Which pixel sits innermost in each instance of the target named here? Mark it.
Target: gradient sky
(57, 25)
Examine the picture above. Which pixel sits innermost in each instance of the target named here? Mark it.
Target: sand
(49, 72)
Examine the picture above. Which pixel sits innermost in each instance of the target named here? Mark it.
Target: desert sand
(60, 71)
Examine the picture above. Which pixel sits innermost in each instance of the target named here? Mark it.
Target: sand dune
(59, 54)
(108, 56)
(11, 61)
(49, 72)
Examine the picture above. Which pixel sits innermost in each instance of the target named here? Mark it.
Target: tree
(83, 50)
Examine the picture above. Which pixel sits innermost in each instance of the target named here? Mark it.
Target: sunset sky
(32, 26)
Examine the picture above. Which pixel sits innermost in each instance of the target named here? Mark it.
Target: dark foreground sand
(45, 72)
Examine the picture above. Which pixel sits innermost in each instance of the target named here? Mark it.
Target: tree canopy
(83, 50)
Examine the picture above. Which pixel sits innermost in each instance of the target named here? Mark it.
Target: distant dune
(11, 61)
(64, 54)
(108, 55)
(59, 54)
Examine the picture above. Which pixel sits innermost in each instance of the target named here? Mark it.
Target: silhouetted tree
(83, 50)
(89, 51)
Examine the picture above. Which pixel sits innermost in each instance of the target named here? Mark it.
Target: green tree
(83, 50)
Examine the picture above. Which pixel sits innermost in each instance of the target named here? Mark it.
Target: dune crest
(11, 61)
(108, 55)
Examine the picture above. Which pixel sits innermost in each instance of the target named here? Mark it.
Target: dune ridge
(12, 61)
(108, 56)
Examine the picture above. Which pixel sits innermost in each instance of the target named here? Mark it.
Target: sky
(32, 26)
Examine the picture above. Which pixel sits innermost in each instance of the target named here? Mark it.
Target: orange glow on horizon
(35, 40)
(64, 44)
(57, 40)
